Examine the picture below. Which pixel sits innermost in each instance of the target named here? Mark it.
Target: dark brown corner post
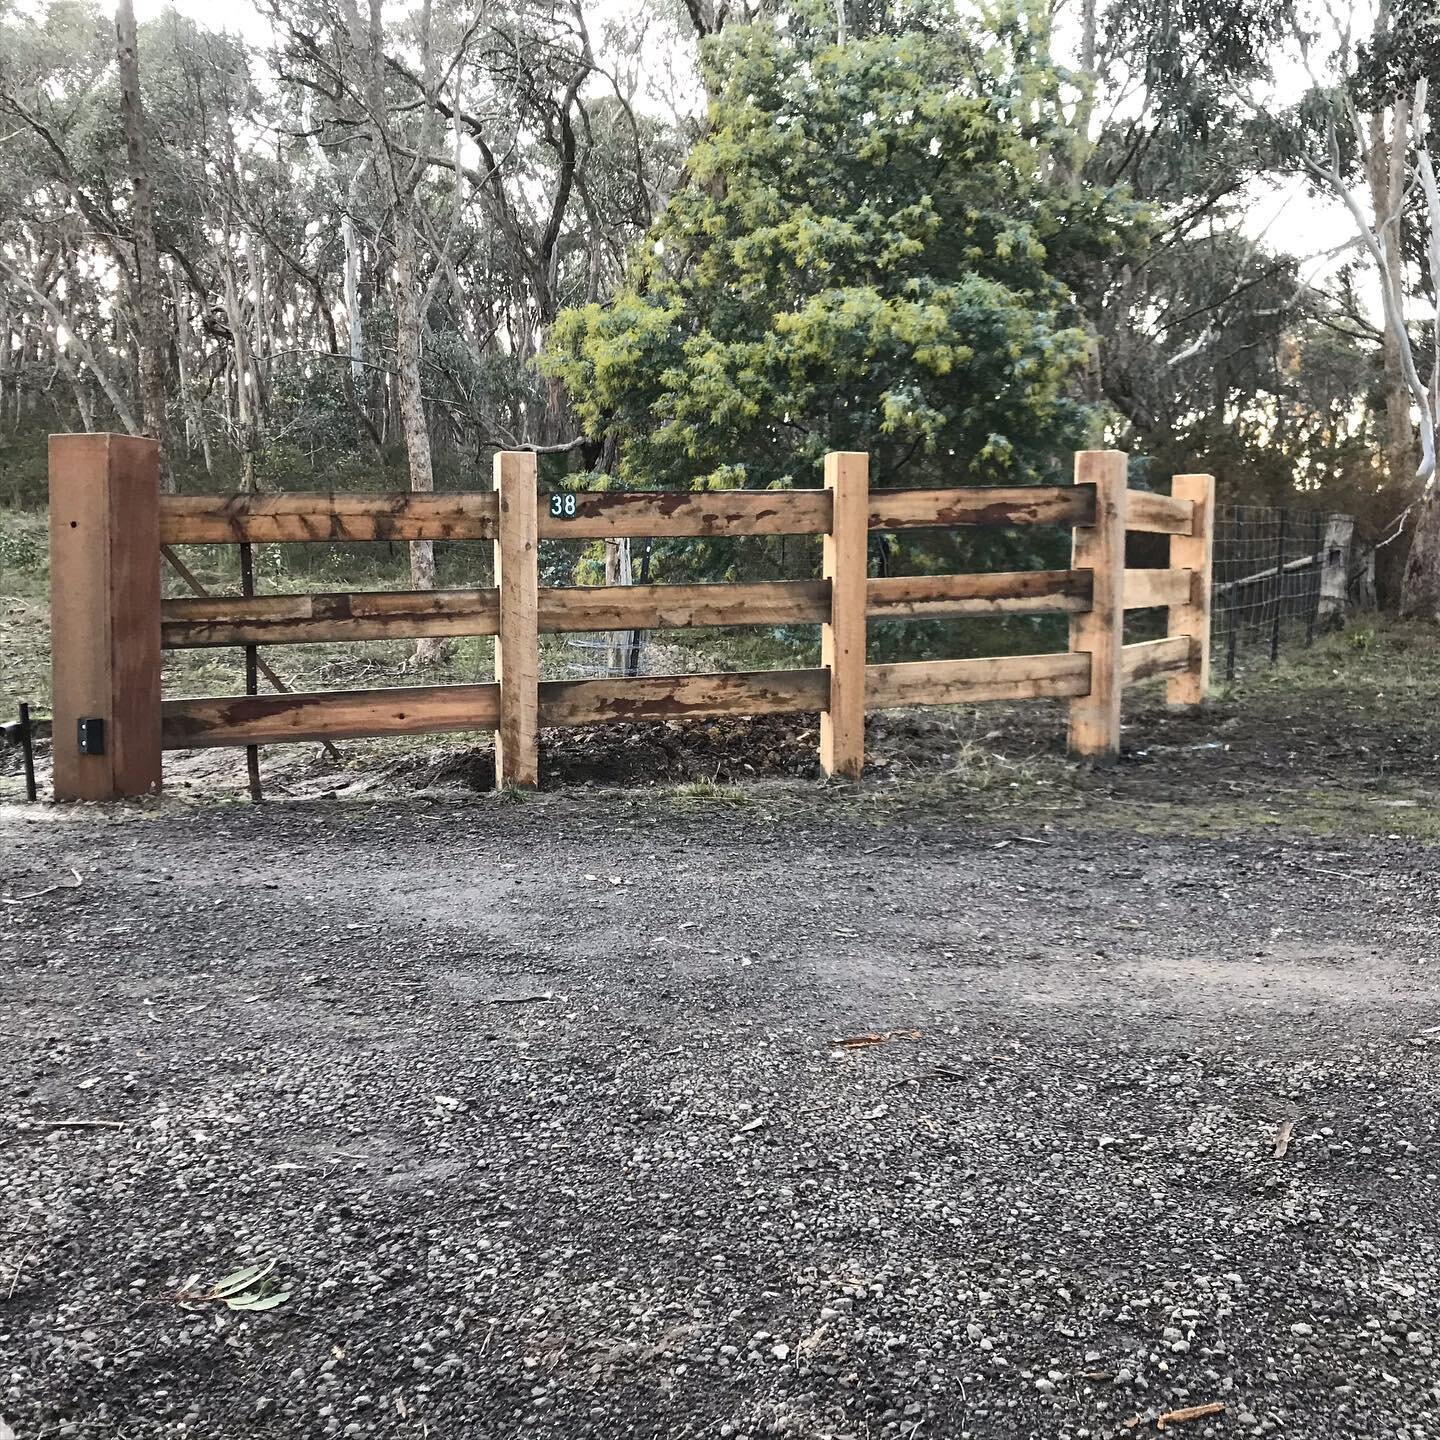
(105, 615)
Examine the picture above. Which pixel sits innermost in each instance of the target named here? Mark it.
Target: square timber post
(1192, 552)
(842, 637)
(517, 645)
(1100, 631)
(105, 615)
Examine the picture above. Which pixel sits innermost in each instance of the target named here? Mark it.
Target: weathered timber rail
(108, 523)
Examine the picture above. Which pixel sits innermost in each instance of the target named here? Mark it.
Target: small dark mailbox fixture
(92, 735)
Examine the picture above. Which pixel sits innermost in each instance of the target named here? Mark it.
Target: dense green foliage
(864, 258)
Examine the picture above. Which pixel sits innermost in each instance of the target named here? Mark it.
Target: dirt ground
(946, 1105)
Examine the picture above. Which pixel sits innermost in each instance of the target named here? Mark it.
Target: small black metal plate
(92, 735)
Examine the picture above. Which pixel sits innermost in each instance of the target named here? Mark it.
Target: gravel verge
(541, 1111)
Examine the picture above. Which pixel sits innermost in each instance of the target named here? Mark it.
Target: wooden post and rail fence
(109, 523)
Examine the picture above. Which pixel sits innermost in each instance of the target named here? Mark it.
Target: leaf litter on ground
(252, 1287)
(862, 1042)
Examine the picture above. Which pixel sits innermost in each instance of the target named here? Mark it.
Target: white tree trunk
(150, 322)
(244, 394)
(82, 351)
(408, 322)
(1385, 177)
(194, 416)
(353, 319)
(352, 303)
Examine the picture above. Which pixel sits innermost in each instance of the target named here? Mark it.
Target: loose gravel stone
(536, 1152)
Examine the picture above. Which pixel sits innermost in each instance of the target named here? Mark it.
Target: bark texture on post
(1100, 631)
(105, 614)
(842, 638)
(1335, 571)
(1420, 590)
(517, 645)
(1192, 552)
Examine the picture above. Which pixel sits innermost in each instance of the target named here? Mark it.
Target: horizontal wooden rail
(341, 714)
(318, 516)
(682, 697)
(329, 714)
(1159, 514)
(678, 514)
(324, 516)
(609, 514)
(1305, 562)
(1019, 592)
(669, 607)
(307, 619)
(956, 682)
(1157, 657)
(349, 714)
(189, 624)
(982, 505)
(1147, 589)
(408, 614)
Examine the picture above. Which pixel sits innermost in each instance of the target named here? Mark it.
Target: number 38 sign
(562, 505)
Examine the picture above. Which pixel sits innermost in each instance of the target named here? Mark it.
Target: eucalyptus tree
(499, 160)
(145, 260)
(1365, 135)
(65, 207)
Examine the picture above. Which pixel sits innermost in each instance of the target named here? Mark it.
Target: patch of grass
(980, 783)
(1314, 813)
(742, 648)
(980, 769)
(24, 553)
(1395, 657)
(707, 792)
(24, 610)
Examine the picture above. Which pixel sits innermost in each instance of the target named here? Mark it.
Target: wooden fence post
(105, 615)
(517, 644)
(1335, 571)
(842, 638)
(1100, 631)
(1192, 552)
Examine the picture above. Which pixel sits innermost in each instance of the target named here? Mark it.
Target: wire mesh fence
(605, 655)
(1279, 579)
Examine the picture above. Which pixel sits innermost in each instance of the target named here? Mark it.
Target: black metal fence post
(1279, 588)
(1232, 612)
(27, 750)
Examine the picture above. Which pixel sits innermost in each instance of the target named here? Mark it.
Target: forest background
(331, 244)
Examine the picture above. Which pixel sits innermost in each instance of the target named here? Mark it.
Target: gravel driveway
(542, 1113)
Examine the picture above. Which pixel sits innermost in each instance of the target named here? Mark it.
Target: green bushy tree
(865, 256)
